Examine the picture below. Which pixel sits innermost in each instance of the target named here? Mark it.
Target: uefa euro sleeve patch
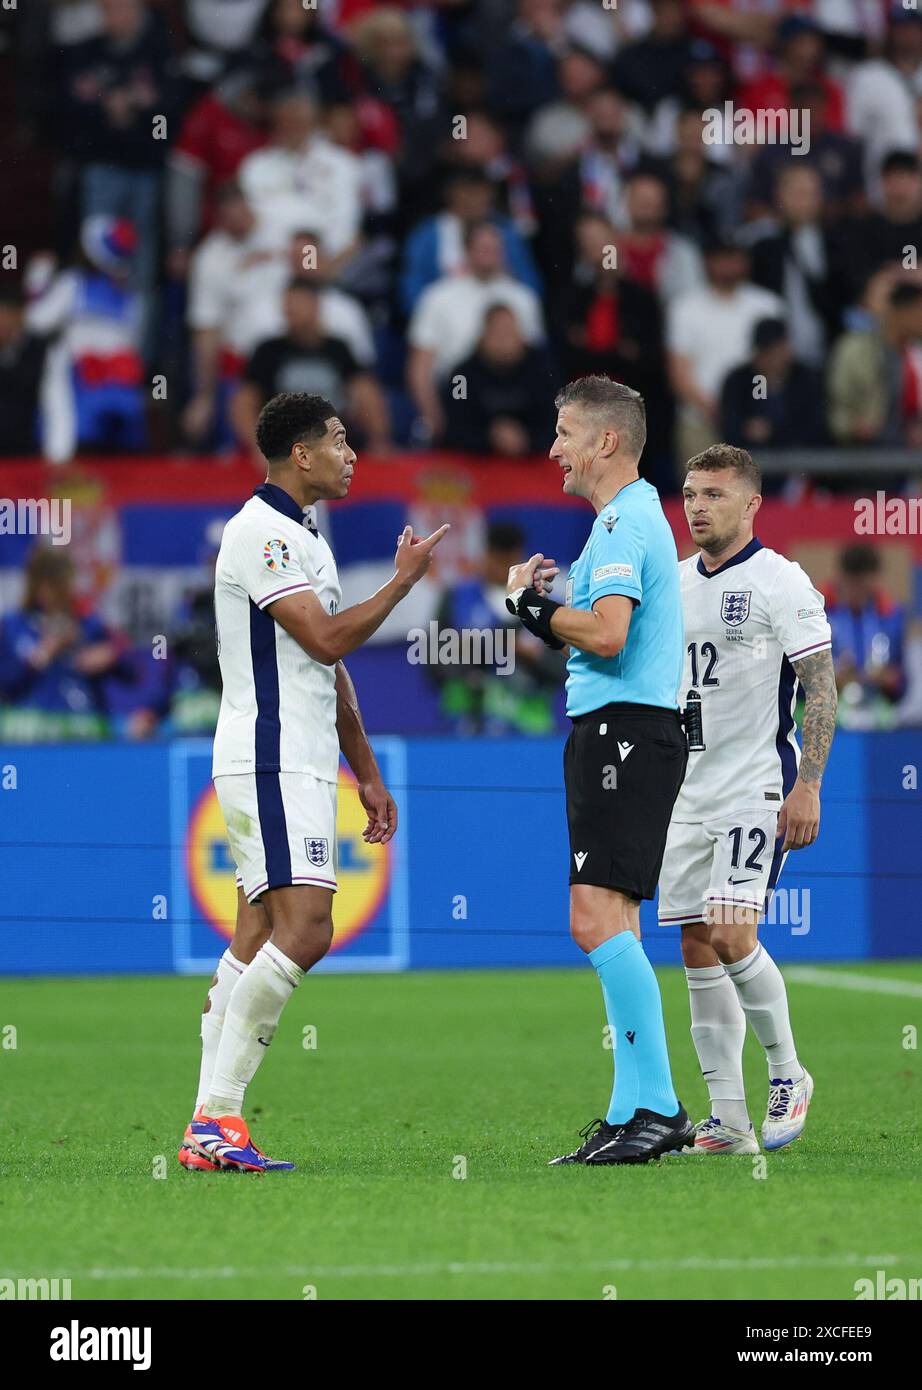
(275, 555)
(612, 572)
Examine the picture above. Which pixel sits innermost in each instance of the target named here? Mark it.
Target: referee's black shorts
(623, 766)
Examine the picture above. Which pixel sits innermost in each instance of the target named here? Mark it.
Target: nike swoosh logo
(737, 881)
(263, 1041)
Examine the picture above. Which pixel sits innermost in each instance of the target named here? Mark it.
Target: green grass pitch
(413, 1077)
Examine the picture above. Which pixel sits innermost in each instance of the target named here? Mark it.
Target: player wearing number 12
(754, 627)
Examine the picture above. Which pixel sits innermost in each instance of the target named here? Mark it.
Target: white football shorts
(281, 827)
(735, 862)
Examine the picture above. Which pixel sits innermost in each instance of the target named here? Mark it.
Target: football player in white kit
(288, 708)
(754, 627)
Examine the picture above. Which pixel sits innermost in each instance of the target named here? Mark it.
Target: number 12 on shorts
(756, 837)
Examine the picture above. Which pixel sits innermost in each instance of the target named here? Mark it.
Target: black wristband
(534, 612)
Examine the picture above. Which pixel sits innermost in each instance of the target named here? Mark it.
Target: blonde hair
(381, 23)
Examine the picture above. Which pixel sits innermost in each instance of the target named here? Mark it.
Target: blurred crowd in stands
(435, 213)
(65, 673)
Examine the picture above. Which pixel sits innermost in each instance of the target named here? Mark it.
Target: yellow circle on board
(363, 870)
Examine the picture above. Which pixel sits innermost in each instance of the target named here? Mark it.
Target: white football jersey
(744, 624)
(278, 706)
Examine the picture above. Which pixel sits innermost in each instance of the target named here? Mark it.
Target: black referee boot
(598, 1135)
(647, 1136)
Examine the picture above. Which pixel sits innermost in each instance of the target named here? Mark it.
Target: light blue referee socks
(643, 1079)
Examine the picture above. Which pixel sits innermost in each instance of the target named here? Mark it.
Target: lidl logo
(363, 871)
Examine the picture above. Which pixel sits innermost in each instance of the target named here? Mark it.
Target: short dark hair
(303, 282)
(498, 308)
(719, 456)
(720, 245)
(904, 294)
(12, 295)
(859, 559)
(899, 161)
(807, 91)
(290, 418)
(469, 175)
(505, 536)
(767, 333)
(612, 401)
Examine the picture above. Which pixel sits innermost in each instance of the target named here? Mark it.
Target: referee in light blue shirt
(625, 758)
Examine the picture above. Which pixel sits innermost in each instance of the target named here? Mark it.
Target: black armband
(534, 612)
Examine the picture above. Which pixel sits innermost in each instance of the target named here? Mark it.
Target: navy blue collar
(736, 559)
(281, 500)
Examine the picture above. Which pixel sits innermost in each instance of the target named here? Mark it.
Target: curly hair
(292, 417)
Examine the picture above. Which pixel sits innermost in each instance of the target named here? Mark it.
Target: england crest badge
(734, 608)
(318, 852)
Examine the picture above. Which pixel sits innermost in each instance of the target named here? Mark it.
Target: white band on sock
(286, 967)
(704, 976)
(750, 966)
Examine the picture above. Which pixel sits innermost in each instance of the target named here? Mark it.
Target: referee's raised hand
(537, 572)
(414, 554)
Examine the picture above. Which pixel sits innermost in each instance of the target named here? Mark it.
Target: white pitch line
(845, 979)
(455, 1267)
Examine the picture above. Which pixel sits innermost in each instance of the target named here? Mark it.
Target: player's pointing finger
(436, 536)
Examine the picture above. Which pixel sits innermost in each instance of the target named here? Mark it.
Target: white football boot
(712, 1137)
(787, 1111)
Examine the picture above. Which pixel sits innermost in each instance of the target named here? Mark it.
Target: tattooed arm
(799, 817)
(818, 677)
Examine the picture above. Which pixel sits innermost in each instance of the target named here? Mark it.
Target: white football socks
(760, 986)
(228, 972)
(250, 1022)
(718, 1029)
